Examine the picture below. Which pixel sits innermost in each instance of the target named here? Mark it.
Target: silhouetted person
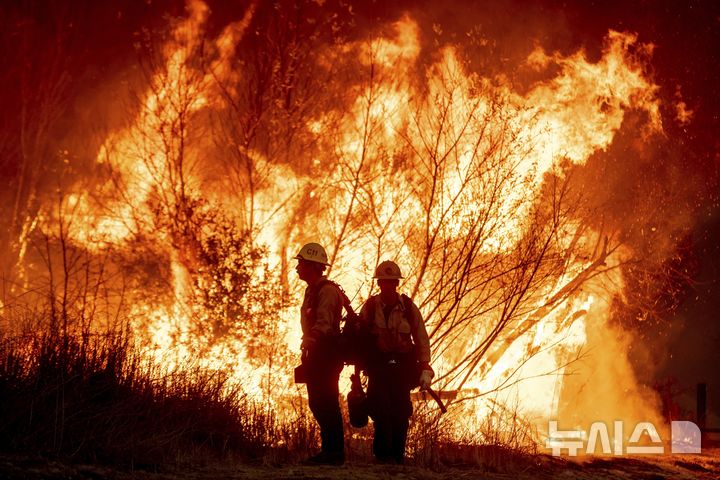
(398, 361)
(320, 319)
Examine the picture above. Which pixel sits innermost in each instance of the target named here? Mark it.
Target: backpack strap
(407, 306)
(371, 305)
(346, 301)
(315, 298)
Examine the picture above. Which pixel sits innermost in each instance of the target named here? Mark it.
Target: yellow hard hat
(313, 252)
(387, 270)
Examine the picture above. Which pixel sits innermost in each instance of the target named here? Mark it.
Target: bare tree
(34, 87)
(209, 266)
(456, 202)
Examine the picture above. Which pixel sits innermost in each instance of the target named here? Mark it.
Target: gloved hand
(426, 379)
(308, 343)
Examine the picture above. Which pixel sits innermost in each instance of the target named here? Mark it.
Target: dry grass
(92, 398)
(89, 407)
(502, 441)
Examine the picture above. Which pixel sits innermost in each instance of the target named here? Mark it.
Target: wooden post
(701, 416)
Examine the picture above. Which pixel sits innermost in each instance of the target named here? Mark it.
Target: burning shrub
(237, 292)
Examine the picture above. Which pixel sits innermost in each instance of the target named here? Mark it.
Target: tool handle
(437, 399)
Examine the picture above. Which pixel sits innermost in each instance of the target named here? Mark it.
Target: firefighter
(320, 320)
(398, 361)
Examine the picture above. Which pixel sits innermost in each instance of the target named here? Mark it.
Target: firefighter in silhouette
(397, 361)
(320, 320)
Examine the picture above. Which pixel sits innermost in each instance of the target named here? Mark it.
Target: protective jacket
(320, 315)
(395, 329)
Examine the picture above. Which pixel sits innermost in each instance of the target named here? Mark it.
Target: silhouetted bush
(92, 398)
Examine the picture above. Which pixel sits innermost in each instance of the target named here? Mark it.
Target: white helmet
(387, 270)
(313, 252)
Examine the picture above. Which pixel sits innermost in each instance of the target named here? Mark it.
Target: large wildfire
(488, 188)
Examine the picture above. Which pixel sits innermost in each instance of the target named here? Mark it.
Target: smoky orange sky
(663, 197)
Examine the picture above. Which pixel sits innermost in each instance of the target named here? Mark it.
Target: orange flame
(450, 128)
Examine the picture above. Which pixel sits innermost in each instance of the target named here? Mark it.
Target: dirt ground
(705, 466)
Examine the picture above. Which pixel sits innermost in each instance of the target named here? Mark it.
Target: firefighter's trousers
(390, 408)
(323, 397)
